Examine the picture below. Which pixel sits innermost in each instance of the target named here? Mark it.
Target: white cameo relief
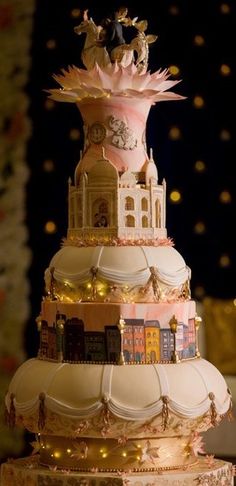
(123, 137)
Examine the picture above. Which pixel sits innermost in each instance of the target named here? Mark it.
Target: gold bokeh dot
(198, 101)
(224, 261)
(50, 227)
(199, 291)
(74, 134)
(175, 196)
(225, 70)
(200, 166)
(199, 228)
(225, 8)
(225, 197)
(174, 70)
(225, 135)
(75, 13)
(198, 40)
(51, 44)
(49, 105)
(234, 302)
(175, 133)
(174, 10)
(48, 165)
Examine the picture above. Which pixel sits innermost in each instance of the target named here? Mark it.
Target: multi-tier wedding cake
(118, 393)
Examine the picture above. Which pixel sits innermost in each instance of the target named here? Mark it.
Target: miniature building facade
(126, 209)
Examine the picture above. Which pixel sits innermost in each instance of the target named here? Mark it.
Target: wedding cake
(118, 393)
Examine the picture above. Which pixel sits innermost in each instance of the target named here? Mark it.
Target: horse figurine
(94, 52)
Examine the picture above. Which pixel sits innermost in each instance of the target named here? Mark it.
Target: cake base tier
(28, 472)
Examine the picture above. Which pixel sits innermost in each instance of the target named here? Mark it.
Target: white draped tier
(132, 393)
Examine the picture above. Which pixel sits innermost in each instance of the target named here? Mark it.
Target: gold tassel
(42, 411)
(12, 413)
(229, 414)
(213, 409)
(106, 412)
(165, 412)
(6, 416)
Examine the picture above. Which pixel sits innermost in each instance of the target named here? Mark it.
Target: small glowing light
(224, 261)
(89, 285)
(104, 455)
(200, 166)
(234, 302)
(50, 227)
(51, 44)
(174, 133)
(101, 294)
(199, 291)
(49, 105)
(174, 10)
(199, 228)
(225, 135)
(199, 40)
(174, 70)
(52, 455)
(225, 8)
(57, 454)
(102, 450)
(48, 165)
(225, 70)
(198, 101)
(75, 13)
(139, 446)
(175, 196)
(68, 451)
(124, 454)
(225, 197)
(74, 134)
(138, 458)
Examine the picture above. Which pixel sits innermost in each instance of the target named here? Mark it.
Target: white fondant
(134, 392)
(121, 265)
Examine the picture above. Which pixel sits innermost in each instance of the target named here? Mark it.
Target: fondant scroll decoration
(123, 137)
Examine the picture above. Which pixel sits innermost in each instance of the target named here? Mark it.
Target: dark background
(53, 150)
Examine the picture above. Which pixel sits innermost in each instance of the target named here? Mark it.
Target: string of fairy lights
(200, 186)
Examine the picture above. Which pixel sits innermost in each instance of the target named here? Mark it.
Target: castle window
(129, 204)
(130, 221)
(100, 213)
(144, 222)
(144, 204)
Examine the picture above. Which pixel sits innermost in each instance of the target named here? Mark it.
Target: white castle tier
(118, 386)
